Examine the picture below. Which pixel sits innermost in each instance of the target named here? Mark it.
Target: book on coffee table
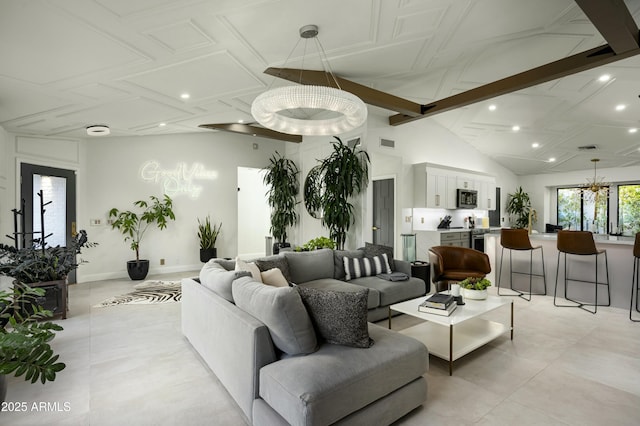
(439, 301)
(438, 311)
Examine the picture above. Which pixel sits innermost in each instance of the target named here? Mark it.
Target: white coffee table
(465, 328)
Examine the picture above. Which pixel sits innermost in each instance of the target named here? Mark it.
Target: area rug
(147, 293)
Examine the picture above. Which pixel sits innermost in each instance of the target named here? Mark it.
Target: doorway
(58, 188)
(254, 215)
(383, 212)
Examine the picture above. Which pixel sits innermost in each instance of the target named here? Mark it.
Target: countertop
(599, 238)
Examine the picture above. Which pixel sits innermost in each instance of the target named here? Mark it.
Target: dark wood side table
(421, 270)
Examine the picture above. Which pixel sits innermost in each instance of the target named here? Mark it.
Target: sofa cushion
(228, 264)
(393, 292)
(241, 265)
(341, 380)
(339, 317)
(310, 265)
(275, 261)
(281, 310)
(217, 279)
(366, 266)
(371, 250)
(338, 262)
(274, 277)
(373, 299)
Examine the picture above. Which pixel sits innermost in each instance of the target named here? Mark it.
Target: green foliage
(37, 264)
(518, 208)
(475, 283)
(208, 234)
(629, 209)
(282, 178)
(331, 184)
(569, 208)
(24, 342)
(318, 243)
(134, 225)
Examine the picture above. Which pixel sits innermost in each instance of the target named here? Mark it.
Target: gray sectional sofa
(265, 347)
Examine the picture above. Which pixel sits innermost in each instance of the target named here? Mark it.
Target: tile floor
(131, 365)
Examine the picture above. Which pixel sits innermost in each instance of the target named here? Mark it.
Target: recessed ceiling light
(633, 130)
(604, 77)
(620, 107)
(535, 145)
(492, 107)
(162, 124)
(185, 96)
(98, 130)
(515, 128)
(552, 159)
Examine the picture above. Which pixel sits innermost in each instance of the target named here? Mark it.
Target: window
(583, 210)
(629, 209)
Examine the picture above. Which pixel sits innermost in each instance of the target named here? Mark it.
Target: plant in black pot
(135, 225)
(208, 234)
(25, 338)
(282, 178)
(331, 185)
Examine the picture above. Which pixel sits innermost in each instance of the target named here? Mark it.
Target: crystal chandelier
(307, 109)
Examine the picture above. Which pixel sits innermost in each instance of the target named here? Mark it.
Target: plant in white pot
(134, 226)
(475, 288)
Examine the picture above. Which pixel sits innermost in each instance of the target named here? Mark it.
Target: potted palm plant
(135, 225)
(519, 209)
(331, 185)
(282, 178)
(208, 234)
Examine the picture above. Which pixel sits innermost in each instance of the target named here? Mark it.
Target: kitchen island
(619, 256)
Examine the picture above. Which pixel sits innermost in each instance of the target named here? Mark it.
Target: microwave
(467, 199)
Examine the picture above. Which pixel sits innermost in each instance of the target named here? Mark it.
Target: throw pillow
(371, 250)
(277, 261)
(282, 311)
(274, 277)
(241, 265)
(366, 267)
(339, 317)
(217, 279)
(338, 261)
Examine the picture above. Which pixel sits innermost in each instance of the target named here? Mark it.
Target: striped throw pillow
(366, 266)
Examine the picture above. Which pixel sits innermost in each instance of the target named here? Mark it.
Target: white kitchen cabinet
(486, 193)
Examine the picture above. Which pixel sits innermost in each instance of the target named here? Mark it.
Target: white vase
(475, 294)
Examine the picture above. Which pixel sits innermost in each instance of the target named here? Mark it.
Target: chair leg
(517, 293)
(634, 288)
(578, 304)
(544, 273)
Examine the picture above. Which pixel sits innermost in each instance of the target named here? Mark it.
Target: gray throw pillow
(217, 279)
(339, 317)
(277, 261)
(228, 264)
(371, 250)
(338, 262)
(281, 310)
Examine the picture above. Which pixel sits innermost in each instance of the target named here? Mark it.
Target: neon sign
(182, 179)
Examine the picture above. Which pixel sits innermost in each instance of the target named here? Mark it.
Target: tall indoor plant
(208, 234)
(331, 185)
(519, 209)
(283, 187)
(135, 225)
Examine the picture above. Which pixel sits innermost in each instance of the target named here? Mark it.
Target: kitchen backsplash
(424, 219)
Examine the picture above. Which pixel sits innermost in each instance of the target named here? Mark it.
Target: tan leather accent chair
(454, 264)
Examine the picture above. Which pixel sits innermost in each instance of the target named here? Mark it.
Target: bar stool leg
(634, 288)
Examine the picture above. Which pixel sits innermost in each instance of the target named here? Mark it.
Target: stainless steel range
(477, 238)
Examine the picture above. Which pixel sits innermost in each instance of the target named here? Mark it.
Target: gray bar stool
(580, 243)
(518, 239)
(635, 283)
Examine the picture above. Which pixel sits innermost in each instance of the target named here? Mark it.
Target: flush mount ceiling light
(98, 130)
(308, 109)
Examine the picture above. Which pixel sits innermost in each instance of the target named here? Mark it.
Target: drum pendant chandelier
(308, 109)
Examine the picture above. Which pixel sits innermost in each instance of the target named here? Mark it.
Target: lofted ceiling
(68, 64)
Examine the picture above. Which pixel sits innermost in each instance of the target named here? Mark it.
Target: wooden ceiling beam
(570, 65)
(248, 129)
(614, 22)
(367, 94)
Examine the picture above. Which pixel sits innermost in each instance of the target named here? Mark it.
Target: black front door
(58, 187)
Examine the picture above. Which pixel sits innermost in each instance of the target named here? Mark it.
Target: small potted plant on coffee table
(475, 288)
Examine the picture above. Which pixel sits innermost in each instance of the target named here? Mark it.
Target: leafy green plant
(40, 264)
(472, 283)
(24, 341)
(318, 243)
(207, 233)
(282, 178)
(331, 185)
(518, 208)
(134, 225)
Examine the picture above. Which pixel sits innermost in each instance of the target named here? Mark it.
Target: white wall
(254, 219)
(109, 175)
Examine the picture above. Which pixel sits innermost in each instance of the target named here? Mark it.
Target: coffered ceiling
(68, 64)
